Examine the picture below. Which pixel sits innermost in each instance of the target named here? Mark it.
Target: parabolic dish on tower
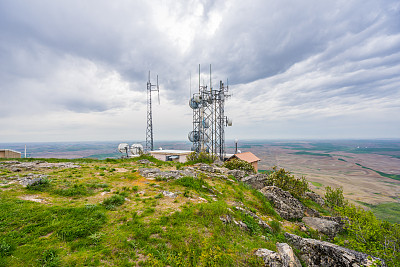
(194, 136)
(193, 103)
(136, 149)
(123, 147)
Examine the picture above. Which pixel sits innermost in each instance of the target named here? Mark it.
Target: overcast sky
(77, 70)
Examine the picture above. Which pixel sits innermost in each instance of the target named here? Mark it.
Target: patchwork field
(367, 176)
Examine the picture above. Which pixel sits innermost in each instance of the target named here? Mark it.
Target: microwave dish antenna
(193, 103)
(194, 136)
(136, 149)
(123, 148)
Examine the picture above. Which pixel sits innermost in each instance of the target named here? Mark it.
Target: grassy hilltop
(105, 213)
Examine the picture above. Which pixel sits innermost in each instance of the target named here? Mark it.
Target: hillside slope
(134, 212)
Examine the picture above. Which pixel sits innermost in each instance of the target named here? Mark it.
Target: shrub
(370, 235)
(201, 157)
(5, 248)
(75, 190)
(334, 198)
(39, 185)
(284, 180)
(50, 258)
(238, 164)
(113, 201)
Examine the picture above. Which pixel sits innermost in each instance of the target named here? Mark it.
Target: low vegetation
(238, 164)
(106, 214)
(288, 182)
(201, 157)
(364, 231)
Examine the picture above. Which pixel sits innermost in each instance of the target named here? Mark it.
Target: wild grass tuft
(114, 201)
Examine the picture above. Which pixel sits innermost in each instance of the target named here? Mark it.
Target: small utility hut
(249, 157)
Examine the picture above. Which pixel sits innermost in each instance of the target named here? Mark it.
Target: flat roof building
(10, 154)
(171, 155)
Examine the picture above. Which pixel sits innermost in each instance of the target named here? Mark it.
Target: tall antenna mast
(209, 120)
(149, 128)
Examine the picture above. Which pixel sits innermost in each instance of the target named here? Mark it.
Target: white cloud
(78, 70)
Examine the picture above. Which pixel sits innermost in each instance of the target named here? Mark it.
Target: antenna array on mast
(209, 120)
(149, 128)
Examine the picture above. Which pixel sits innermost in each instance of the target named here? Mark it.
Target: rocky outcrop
(315, 197)
(153, 173)
(285, 256)
(257, 181)
(285, 204)
(144, 161)
(270, 258)
(32, 179)
(238, 174)
(169, 194)
(311, 212)
(229, 219)
(259, 221)
(324, 226)
(321, 253)
(149, 172)
(17, 166)
(204, 167)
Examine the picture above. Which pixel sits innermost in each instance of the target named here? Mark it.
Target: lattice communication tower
(209, 120)
(149, 128)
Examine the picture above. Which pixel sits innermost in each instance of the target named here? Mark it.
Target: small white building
(171, 155)
(8, 153)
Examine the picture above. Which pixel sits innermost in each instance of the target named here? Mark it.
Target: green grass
(316, 184)
(387, 211)
(77, 226)
(96, 216)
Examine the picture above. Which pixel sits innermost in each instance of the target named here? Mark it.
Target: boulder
(149, 172)
(32, 179)
(285, 204)
(169, 194)
(144, 161)
(287, 255)
(321, 253)
(257, 181)
(238, 174)
(311, 212)
(204, 167)
(315, 197)
(324, 226)
(270, 258)
(219, 168)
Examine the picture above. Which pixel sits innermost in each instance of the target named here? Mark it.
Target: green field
(387, 175)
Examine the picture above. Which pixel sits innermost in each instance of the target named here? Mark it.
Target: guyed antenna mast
(149, 128)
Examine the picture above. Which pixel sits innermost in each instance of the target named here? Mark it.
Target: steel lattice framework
(209, 119)
(149, 128)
